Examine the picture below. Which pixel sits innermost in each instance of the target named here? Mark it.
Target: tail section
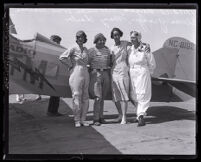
(166, 59)
(176, 65)
(176, 59)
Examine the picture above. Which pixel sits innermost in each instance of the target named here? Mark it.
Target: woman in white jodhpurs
(141, 66)
(79, 78)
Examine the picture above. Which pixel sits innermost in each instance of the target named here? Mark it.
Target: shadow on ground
(32, 132)
(163, 93)
(155, 115)
(161, 114)
(112, 118)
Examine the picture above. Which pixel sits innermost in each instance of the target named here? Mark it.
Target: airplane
(34, 68)
(176, 65)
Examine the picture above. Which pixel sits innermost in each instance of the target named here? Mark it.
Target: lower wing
(186, 86)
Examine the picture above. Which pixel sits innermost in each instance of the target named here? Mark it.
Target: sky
(155, 25)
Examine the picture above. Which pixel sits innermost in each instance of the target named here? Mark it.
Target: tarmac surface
(170, 130)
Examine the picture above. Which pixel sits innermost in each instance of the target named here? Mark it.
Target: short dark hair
(118, 30)
(98, 36)
(81, 33)
(55, 37)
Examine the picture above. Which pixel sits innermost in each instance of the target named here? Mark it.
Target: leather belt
(95, 70)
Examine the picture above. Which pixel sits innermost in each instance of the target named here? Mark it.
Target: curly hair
(137, 34)
(118, 30)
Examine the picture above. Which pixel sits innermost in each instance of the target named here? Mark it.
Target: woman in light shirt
(79, 78)
(141, 66)
(119, 72)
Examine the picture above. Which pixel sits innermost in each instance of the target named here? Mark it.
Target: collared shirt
(76, 56)
(139, 57)
(99, 58)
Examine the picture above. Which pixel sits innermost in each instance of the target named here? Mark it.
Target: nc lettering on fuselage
(177, 44)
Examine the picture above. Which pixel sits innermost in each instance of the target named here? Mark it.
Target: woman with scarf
(119, 72)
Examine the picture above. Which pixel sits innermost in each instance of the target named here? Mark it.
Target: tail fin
(176, 59)
(166, 59)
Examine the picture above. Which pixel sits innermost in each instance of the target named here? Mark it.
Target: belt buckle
(101, 69)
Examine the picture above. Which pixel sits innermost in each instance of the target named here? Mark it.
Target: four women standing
(129, 65)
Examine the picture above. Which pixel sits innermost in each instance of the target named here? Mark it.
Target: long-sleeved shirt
(75, 56)
(139, 57)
